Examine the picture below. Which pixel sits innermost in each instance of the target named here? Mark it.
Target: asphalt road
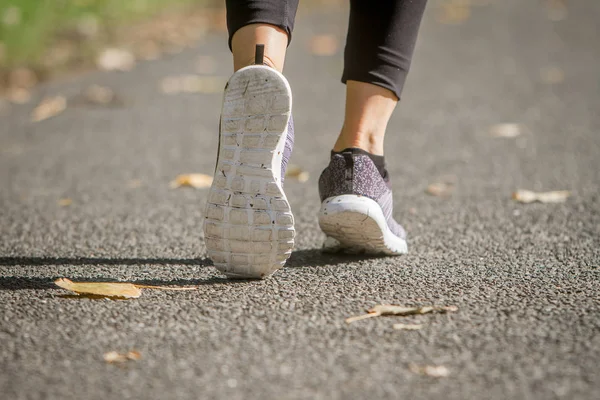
(524, 277)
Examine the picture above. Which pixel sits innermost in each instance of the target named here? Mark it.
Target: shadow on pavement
(299, 259)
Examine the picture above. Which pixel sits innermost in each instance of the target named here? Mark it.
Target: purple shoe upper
(351, 173)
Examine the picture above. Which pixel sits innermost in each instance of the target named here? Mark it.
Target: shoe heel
(358, 223)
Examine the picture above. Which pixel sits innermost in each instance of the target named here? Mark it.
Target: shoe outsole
(249, 227)
(358, 224)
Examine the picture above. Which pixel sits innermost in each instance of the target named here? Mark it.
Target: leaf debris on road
(527, 196)
(440, 189)
(116, 357)
(114, 59)
(389, 309)
(106, 289)
(198, 181)
(49, 107)
(114, 289)
(506, 130)
(296, 172)
(65, 202)
(434, 371)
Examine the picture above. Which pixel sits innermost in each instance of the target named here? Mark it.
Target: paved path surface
(525, 277)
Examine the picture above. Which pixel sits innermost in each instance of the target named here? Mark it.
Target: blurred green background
(47, 35)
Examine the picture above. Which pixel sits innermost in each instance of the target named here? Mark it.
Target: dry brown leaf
(440, 189)
(389, 309)
(434, 371)
(100, 95)
(48, 108)
(106, 289)
(453, 12)
(324, 45)
(295, 171)
(408, 327)
(527, 196)
(113, 59)
(507, 130)
(198, 181)
(135, 183)
(552, 75)
(65, 202)
(116, 357)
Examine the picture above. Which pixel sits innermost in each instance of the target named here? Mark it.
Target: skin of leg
(368, 110)
(244, 43)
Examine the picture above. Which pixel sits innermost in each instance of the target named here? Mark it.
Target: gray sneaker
(249, 226)
(356, 209)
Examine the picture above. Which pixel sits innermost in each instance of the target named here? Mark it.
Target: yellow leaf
(49, 107)
(527, 196)
(434, 371)
(295, 171)
(440, 189)
(116, 357)
(507, 130)
(389, 309)
(113, 59)
(106, 289)
(198, 181)
(65, 202)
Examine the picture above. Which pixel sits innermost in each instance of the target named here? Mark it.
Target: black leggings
(381, 34)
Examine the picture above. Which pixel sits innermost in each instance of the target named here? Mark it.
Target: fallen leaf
(294, 171)
(508, 130)
(65, 202)
(440, 189)
(106, 289)
(48, 108)
(324, 45)
(434, 371)
(527, 196)
(389, 309)
(113, 59)
(198, 181)
(100, 95)
(408, 327)
(453, 12)
(116, 357)
(135, 183)
(552, 75)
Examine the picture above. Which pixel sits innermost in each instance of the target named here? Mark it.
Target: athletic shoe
(249, 226)
(356, 208)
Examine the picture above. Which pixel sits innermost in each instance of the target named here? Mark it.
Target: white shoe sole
(358, 224)
(249, 226)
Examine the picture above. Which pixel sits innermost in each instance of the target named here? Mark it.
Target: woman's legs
(379, 47)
